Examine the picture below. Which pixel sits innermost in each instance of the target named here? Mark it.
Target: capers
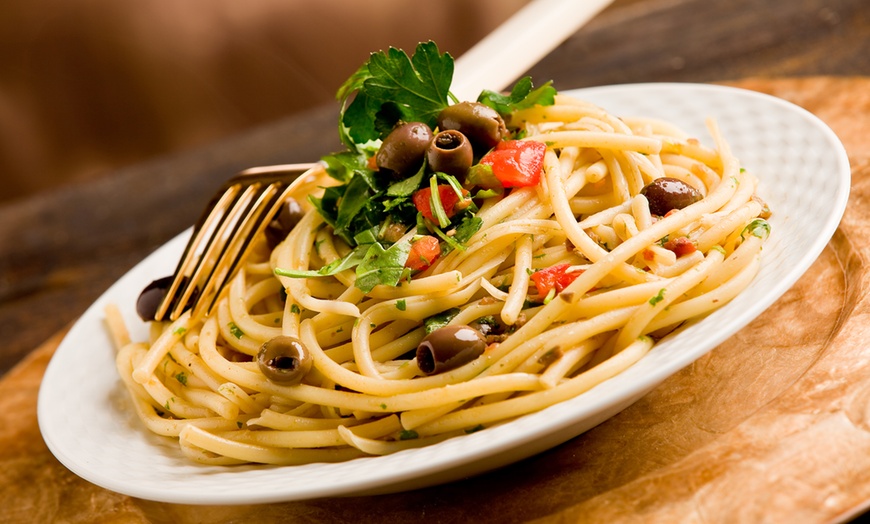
(450, 152)
(402, 151)
(665, 194)
(288, 216)
(482, 124)
(448, 348)
(284, 360)
(151, 297)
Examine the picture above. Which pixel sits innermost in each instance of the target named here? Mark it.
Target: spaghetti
(568, 282)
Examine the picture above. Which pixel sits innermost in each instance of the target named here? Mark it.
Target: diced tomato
(680, 246)
(517, 163)
(449, 199)
(557, 277)
(423, 253)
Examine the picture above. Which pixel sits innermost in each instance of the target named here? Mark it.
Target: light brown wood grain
(771, 426)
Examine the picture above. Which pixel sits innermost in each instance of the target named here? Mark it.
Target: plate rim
(350, 486)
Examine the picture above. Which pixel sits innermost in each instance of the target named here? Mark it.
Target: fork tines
(222, 237)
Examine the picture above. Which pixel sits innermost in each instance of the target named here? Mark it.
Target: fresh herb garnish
(658, 298)
(522, 96)
(759, 227)
(475, 429)
(440, 320)
(388, 89)
(235, 330)
(408, 434)
(391, 87)
(382, 266)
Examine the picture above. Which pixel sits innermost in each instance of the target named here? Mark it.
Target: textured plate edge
(384, 483)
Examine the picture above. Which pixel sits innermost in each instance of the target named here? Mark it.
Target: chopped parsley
(475, 429)
(440, 320)
(408, 434)
(658, 298)
(759, 227)
(401, 305)
(182, 378)
(235, 330)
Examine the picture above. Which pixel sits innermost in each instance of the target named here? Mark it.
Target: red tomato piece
(554, 277)
(423, 253)
(449, 199)
(680, 246)
(517, 163)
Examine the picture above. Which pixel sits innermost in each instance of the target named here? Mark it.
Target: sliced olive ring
(284, 360)
(448, 348)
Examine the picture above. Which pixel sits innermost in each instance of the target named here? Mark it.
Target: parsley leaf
(759, 227)
(382, 266)
(523, 96)
(392, 87)
(352, 259)
(440, 320)
(407, 187)
(341, 166)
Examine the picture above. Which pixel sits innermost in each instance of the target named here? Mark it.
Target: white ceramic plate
(805, 177)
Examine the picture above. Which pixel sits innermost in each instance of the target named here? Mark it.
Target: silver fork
(223, 236)
(243, 207)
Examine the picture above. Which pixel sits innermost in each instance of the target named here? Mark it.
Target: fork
(222, 238)
(245, 204)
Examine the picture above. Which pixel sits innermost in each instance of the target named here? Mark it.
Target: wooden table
(772, 426)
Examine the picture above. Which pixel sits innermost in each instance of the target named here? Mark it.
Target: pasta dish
(460, 265)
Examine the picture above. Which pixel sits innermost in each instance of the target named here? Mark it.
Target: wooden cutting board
(772, 426)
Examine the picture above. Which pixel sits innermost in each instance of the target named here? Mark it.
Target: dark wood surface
(59, 250)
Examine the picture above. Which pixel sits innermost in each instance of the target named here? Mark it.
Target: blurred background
(88, 86)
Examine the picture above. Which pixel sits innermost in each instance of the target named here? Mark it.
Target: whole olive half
(284, 360)
(450, 152)
(402, 151)
(151, 297)
(288, 216)
(448, 348)
(482, 124)
(665, 194)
